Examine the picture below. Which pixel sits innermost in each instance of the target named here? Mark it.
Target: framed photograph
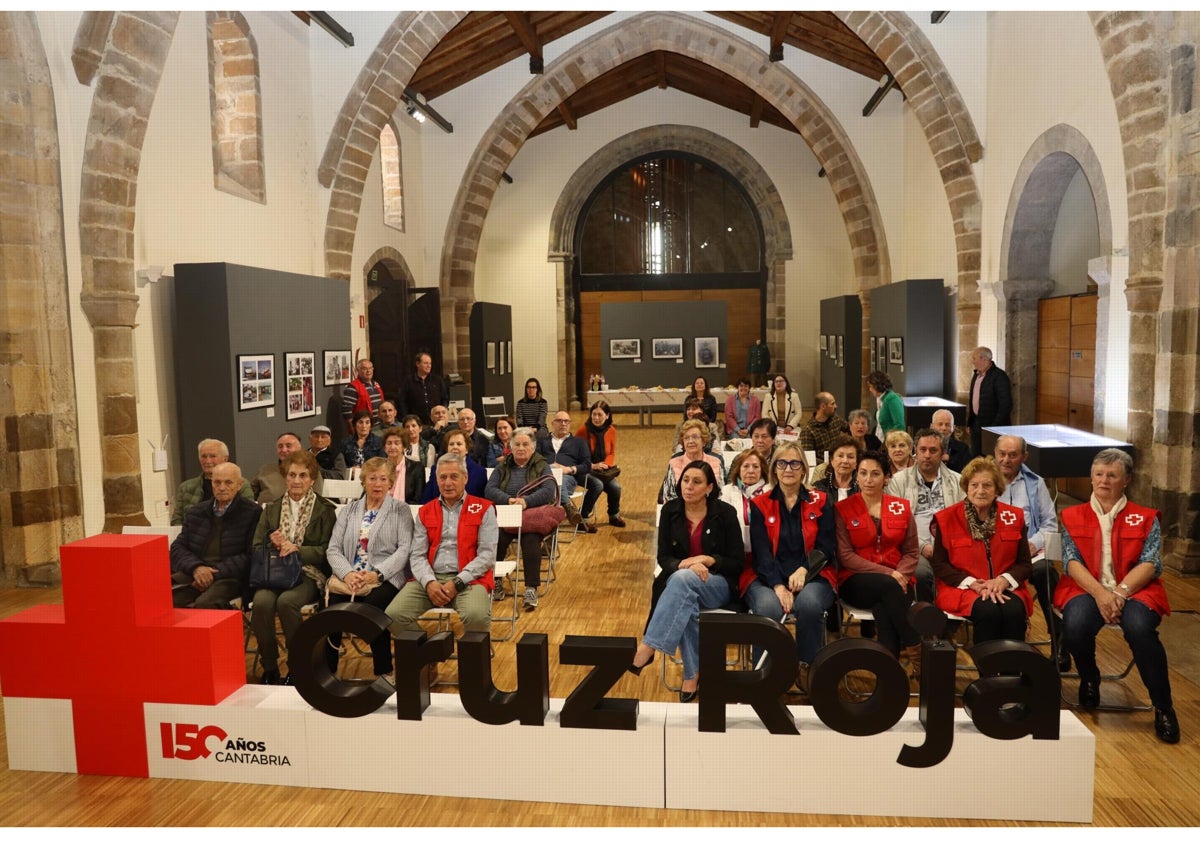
(256, 381)
(841, 351)
(881, 353)
(503, 358)
(667, 348)
(338, 369)
(896, 350)
(821, 343)
(871, 342)
(508, 347)
(708, 352)
(301, 384)
(624, 348)
(491, 355)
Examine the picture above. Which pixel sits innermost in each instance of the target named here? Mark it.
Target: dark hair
(744, 381)
(535, 382)
(707, 390)
(770, 425)
(926, 432)
(735, 469)
(511, 421)
(786, 382)
(705, 468)
(693, 403)
(880, 380)
(284, 434)
(393, 432)
(419, 354)
(844, 440)
(877, 457)
(359, 415)
(603, 406)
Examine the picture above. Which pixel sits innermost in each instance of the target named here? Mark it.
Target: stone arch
(1042, 179)
(764, 197)
(235, 102)
(127, 81)
(623, 42)
(396, 265)
(90, 37)
(40, 495)
(386, 306)
(950, 131)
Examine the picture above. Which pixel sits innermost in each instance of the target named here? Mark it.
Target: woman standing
(839, 479)
(890, 412)
(707, 401)
(782, 405)
(531, 409)
(360, 446)
(694, 439)
(601, 437)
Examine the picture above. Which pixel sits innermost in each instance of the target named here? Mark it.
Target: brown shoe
(616, 520)
(589, 527)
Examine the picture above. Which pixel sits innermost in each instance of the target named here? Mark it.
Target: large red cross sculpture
(116, 643)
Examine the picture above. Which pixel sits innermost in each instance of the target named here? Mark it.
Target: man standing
(199, 489)
(990, 400)
(423, 390)
(955, 453)
(824, 427)
(211, 557)
(268, 483)
(1027, 490)
(362, 394)
(477, 442)
(453, 554)
(571, 453)
(929, 485)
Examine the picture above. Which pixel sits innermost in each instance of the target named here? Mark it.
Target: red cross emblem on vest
(474, 508)
(1008, 517)
(117, 594)
(896, 507)
(1134, 519)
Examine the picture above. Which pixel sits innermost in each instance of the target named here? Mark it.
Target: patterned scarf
(293, 532)
(980, 529)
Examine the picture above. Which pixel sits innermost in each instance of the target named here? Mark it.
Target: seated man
(268, 484)
(199, 489)
(211, 557)
(387, 419)
(824, 427)
(693, 409)
(955, 453)
(452, 556)
(477, 441)
(330, 462)
(439, 422)
(571, 454)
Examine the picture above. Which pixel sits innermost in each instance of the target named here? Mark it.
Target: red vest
(968, 554)
(810, 516)
(469, 519)
(1129, 532)
(880, 546)
(364, 396)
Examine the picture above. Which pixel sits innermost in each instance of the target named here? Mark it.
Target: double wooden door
(1066, 368)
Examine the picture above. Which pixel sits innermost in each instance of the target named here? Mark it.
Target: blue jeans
(568, 486)
(809, 608)
(595, 487)
(676, 620)
(1082, 621)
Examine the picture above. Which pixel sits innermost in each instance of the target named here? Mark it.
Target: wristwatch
(460, 585)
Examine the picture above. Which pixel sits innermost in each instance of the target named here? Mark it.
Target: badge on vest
(1008, 517)
(474, 508)
(1134, 519)
(771, 520)
(854, 524)
(896, 508)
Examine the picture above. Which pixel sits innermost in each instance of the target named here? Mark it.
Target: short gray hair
(224, 450)
(860, 413)
(1114, 456)
(528, 431)
(459, 461)
(945, 412)
(983, 352)
(1020, 441)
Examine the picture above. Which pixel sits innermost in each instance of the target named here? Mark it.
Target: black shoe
(1089, 693)
(616, 520)
(1064, 660)
(867, 630)
(270, 677)
(1166, 725)
(688, 697)
(637, 670)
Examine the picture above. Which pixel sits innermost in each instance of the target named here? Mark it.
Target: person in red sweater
(601, 439)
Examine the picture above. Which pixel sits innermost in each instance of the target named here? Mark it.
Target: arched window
(393, 178)
(236, 104)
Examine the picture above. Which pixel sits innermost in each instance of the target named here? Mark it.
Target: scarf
(293, 532)
(398, 487)
(980, 529)
(597, 434)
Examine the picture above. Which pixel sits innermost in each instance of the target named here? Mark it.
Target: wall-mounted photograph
(896, 350)
(667, 348)
(871, 342)
(708, 352)
(821, 343)
(624, 348)
(337, 367)
(881, 355)
(491, 356)
(256, 381)
(841, 351)
(301, 399)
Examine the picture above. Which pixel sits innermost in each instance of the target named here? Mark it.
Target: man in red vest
(362, 394)
(452, 556)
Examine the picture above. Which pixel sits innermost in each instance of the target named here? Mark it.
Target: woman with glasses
(793, 544)
(694, 439)
(531, 409)
(783, 405)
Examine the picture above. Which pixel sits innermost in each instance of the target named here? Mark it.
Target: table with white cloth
(647, 401)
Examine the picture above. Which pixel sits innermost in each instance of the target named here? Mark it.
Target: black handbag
(271, 571)
(606, 474)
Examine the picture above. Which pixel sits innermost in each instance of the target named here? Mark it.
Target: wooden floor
(603, 588)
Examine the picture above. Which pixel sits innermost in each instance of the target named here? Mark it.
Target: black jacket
(237, 534)
(722, 538)
(995, 399)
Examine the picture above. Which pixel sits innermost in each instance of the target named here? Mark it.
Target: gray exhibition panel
(647, 321)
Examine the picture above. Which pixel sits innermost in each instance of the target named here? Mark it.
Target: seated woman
(877, 556)
(408, 475)
(360, 446)
(416, 447)
(601, 437)
(1112, 549)
(787, 526)
(531, 409)
(693, 438)
(699, 556)
(839, 479)
(783, 405)
(694, 410)
(299, 522)
(860, 425)
(900, 451)
(507, 486)
(501, 442)
(741, 410)
(707, 401)
(747, 479)
(368, 552)
(890, 414)
(981, 557)
(456, 442)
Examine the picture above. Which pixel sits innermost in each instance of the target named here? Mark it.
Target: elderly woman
(839, 480)
(747, 479)
(1112, 549)
(408, 475)
(788, 526)
(360, 446)
(701, 392)
(455, 441)
(981, 557)
(520, 479)
(694, 441)
(877, 557)
(693, 409)
(531, 409)
(415, 446)
(699, 556)
(601, 438)
(368, 553)
(859, 422)
(899, 445)
(783, 405)
(501, 441)
(299, 523)
(890, 412)
(742, 409)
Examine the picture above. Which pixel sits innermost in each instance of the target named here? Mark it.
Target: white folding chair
(343, 490)
(493, 408)
(580, 490)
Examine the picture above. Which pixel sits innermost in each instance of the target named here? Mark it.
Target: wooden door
(1067, 368)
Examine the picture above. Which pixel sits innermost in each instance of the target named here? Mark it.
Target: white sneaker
(498, 593)
(531, 599)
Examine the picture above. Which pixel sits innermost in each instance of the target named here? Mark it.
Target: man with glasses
(477, 441)
(571, 453)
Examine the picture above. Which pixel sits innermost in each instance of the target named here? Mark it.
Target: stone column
(1018, 298)
(776, 310)
(1102, 271)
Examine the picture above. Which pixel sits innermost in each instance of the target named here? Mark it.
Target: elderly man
(990, 397)
(762, 437)
(571, 453)
(362, 394)
(477, 440)
(199, 489)
(824, 427)
(268, 483)
(452, 556)
(422, 390)
(955, 453)
(331, 463)
(439, 421)
(387, 419)
(929, 485)
(211, 557)
(1027, 491)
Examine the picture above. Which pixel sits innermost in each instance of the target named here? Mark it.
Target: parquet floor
(603, 588)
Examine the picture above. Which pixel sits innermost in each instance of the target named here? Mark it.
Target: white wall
(1076, 238)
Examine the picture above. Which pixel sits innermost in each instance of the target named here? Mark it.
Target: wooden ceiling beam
(564, 109)
(779, 28)
(660, 64)
(521, 25)
(756, 109)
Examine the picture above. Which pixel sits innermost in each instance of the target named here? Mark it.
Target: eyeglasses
(789, 464)
(562, 420)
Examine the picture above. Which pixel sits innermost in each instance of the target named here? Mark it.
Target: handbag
(544, 518)
(606, 474)
(272, 571)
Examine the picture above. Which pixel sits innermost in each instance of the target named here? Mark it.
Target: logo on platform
(191, 742)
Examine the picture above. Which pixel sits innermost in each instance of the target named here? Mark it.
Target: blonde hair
(983, 464)
(695, 423)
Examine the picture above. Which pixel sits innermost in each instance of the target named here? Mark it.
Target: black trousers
(381, 646)
(889, 603)
(1004, 621)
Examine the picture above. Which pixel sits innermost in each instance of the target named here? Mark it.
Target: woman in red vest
(1112, 549)
(877, 556)
(981, 557)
